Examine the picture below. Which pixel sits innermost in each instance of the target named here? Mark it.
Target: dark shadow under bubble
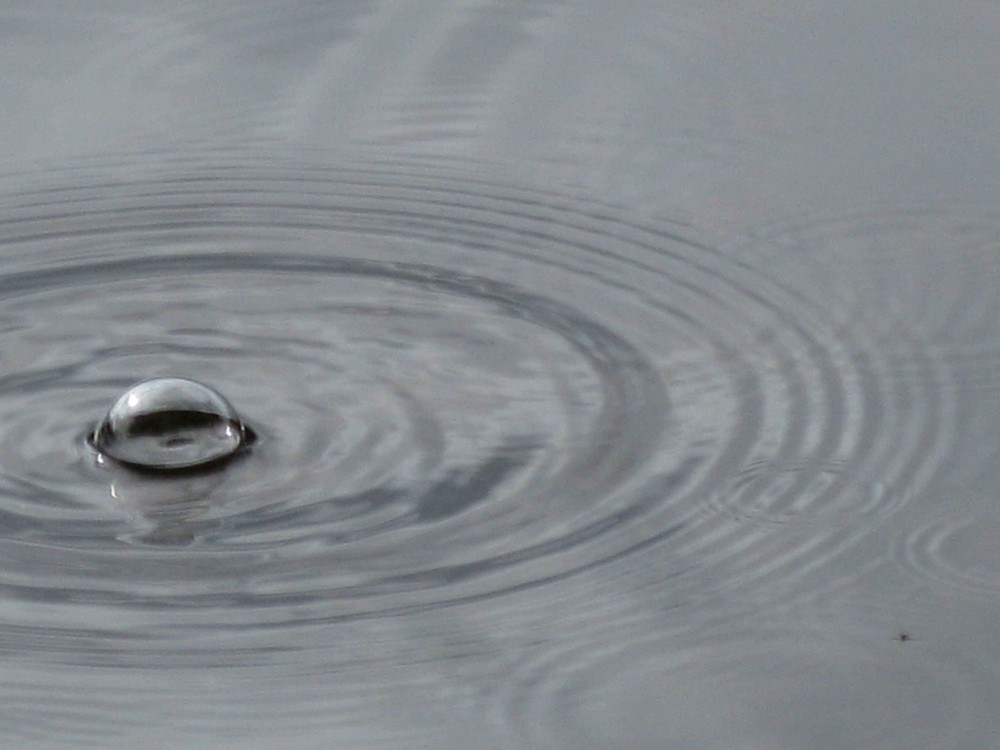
(170, 508)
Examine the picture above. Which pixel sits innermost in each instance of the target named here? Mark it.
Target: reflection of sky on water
(726, 114)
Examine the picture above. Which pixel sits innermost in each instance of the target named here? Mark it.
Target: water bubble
(170, 423)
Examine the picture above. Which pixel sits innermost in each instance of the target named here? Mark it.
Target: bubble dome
(166, 424)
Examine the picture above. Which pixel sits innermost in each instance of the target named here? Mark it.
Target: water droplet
(170, 423)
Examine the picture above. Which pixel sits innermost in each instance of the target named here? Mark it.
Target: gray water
(623, 375)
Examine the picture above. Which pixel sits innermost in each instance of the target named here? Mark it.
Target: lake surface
(623, 375)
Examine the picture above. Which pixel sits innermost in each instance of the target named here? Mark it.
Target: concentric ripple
(461, 389)
(753, 685)
(958, 554)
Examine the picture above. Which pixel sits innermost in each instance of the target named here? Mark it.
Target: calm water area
(622, 374)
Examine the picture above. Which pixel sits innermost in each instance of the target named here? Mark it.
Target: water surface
(621, 376)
